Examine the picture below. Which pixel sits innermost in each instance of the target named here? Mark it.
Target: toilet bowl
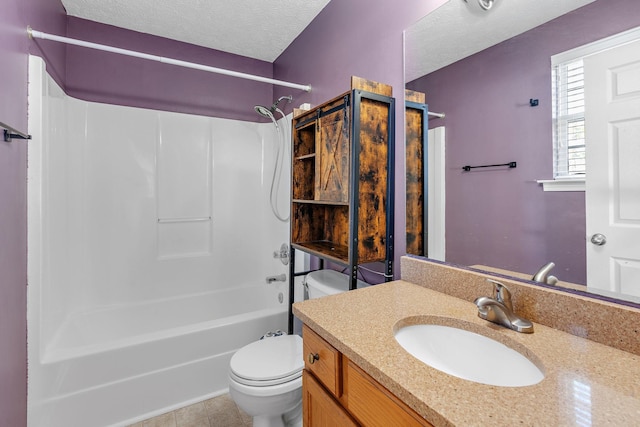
(265, 380)
(265, 377)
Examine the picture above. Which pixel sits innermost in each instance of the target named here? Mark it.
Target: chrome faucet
(542, 275)
(499, 309)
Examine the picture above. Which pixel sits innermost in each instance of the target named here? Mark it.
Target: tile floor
(220, 411)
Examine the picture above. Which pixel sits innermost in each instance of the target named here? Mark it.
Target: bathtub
(119, 365)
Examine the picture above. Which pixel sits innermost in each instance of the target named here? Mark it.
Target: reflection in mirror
(416, 181)
(500, 218)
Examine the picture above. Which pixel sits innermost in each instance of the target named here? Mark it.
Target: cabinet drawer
(372, 404)
(321, 359)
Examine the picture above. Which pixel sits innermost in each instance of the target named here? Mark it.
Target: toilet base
(292, 418)
(274, 406)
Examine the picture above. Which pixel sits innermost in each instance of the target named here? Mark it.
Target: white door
(612, 96)
(436, 200)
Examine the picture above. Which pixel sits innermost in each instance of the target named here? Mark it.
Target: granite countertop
(586, 383)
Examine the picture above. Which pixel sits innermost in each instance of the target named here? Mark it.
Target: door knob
(598, 239)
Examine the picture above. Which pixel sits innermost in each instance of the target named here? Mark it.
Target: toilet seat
(268, 362)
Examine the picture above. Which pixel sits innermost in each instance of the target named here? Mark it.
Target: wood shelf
(320, 202)
(325, 249)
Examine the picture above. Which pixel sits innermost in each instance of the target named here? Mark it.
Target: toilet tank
(328, 282)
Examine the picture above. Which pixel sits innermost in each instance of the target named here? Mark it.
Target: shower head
(268, 112)
(264, 111)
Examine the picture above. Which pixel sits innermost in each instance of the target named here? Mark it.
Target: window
(569, 137)
(568, 120)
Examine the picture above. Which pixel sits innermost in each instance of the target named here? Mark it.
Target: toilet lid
(269, 359)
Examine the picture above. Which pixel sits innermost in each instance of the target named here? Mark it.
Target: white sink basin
(468, 355)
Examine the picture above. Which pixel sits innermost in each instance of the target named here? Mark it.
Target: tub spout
(278, 278)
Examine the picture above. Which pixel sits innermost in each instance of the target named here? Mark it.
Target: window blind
(568, 119)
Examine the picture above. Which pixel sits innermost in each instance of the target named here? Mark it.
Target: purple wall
(14, 46)
(502, 217)
(349, 37)
(361, 38)
(115, 79)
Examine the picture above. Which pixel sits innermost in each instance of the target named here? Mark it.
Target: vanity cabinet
(342, 178)
(337, 392)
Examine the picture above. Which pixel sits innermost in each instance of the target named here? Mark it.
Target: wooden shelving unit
(342, 179)
(416, 134)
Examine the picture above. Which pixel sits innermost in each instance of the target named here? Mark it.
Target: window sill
(562, 184)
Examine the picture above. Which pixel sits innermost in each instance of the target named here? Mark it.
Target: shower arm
(274, 107)
(289, 98)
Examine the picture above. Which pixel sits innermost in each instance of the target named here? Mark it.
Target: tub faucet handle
(282, 254)
(279, 278)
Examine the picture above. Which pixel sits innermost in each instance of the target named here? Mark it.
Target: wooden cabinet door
(319, 408)
(332, 157)
(373, 175)
(373, 405)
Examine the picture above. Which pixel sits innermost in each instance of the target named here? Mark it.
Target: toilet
(265, 377)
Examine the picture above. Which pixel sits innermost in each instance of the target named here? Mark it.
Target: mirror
(484, 76)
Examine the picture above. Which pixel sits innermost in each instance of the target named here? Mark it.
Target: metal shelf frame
(355, 101)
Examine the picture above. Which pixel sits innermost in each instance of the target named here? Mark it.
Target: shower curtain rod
(45, 36)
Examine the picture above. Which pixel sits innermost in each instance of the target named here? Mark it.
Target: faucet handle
(501, 293)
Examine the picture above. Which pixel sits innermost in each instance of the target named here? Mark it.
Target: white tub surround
(150, 237)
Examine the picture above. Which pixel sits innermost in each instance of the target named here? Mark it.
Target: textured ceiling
(457, 30)
(260, 29)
